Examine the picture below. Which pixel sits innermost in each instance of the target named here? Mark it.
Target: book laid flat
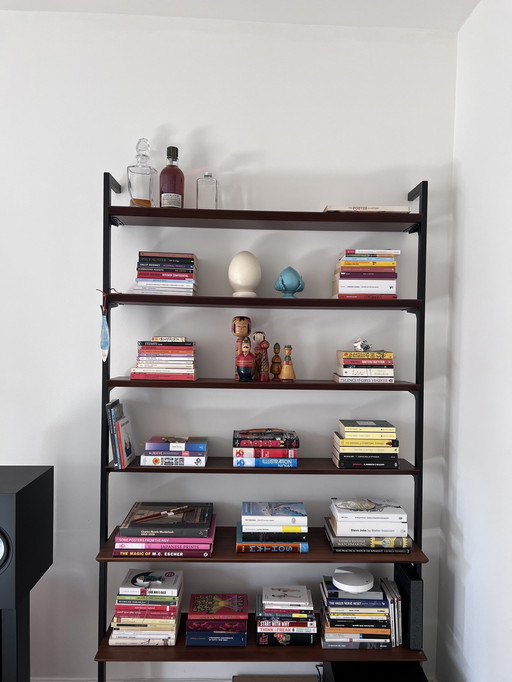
(289, 544)
(185, 519)
(220, 606)
(286, 595)
(365, 425)
(178, 443)
(274, 513)
(366, 509)
(163, 582)
(335, 208)
(265, 438)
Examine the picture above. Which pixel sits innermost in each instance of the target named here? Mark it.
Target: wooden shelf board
(408, 304)
(306, 465)
(320, 552)
(297, 385)
(251, 652)
(264, 220)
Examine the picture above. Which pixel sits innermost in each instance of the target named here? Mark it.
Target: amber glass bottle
(172, 181)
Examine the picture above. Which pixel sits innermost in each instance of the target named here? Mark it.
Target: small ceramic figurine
(275, 367)
(245, 361)
(261, 367)
(361, 345)
(287, 371)
(289, 282)
(241, 327)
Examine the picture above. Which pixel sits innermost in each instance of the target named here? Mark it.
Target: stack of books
(217, 620)
(272, 527)
(285, 615)
(147, 608)
(166, 529)
(165, 358)
(365, 274)
(121, 441)
(162, 272)
(367, 367)
(175, 451)
(367, 525)
(365, 444)
(355, 620)
(268, 448)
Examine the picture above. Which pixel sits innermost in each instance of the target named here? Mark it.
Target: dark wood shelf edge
(251, 652)
(298, 385)
(224, 552)
(264, 220)
(306, 465)
(405, 304)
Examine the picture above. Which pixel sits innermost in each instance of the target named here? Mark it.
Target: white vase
(244, 274)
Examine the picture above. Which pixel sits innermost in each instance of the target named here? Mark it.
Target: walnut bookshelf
(115, 217)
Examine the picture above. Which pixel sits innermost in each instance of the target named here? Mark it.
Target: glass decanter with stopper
(142, 178)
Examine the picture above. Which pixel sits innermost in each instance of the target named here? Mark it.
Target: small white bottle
(206, 191)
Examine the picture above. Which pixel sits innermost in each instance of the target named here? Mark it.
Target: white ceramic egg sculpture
(244, 274)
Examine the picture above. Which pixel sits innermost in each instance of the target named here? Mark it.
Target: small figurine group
(254, 366)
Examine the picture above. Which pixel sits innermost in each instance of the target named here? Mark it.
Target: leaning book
(180, 519)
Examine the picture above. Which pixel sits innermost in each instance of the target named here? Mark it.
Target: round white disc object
(352, 579)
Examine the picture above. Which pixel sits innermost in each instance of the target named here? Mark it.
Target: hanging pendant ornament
(104, 333)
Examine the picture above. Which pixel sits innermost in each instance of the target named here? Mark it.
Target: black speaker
(26, 552)
(26, 530)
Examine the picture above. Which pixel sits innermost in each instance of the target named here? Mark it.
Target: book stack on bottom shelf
(175, 451)
(216, 619)
(363, 620)
(147, 609)
(272, 528)
(285, 616)
(365, 444)
(166, 529)
(367, 525)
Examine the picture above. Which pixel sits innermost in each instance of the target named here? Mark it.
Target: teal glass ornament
(289, 282)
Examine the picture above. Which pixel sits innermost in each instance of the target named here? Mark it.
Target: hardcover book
(285, 638)
(190, 519)
(189, 443)
(365, 425)
(164, 582)
(266, 546)
(366, 509)
(265, 438)
(274, 513)
(210, 605)
(286, 595)
(197, 638)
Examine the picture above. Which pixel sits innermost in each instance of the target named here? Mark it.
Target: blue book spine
(275, 462)
(198, 638)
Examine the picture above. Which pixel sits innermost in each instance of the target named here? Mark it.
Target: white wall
(473, 645)
(287, 117)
